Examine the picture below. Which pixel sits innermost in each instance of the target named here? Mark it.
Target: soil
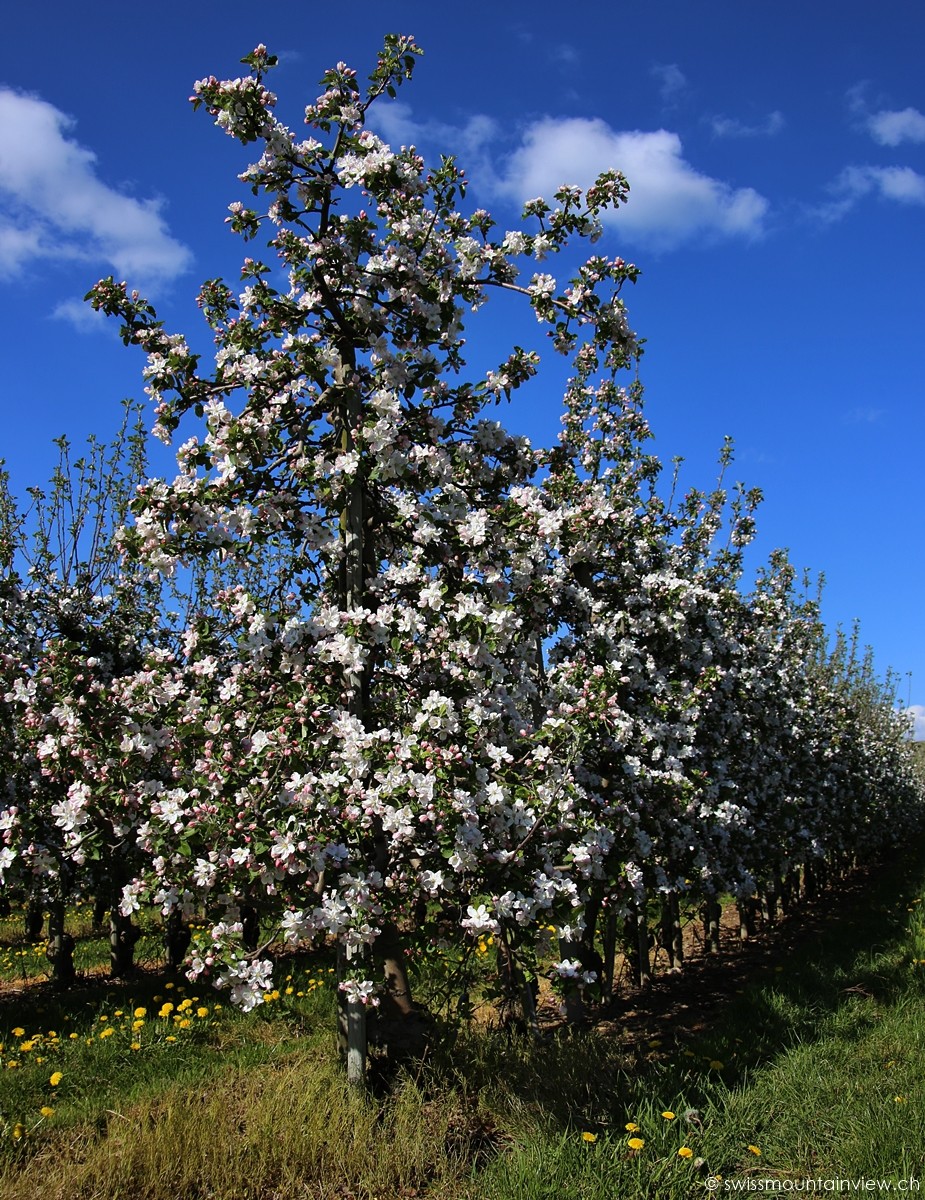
(686, 1003)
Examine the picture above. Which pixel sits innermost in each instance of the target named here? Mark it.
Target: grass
(813, 1071)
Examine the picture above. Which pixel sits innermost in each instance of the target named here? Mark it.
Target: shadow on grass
(832, 967)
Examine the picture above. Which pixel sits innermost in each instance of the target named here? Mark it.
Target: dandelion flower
(18, 1131)
(685, 1152)
(589, 1137)
(202, 1011)
(19, 1032)
(55, 1078)
(715, 1064)
(636, 1143)
(47, 1111)
(166, 1010)
(668, 1115)
(631, 1127)
(140, 1012)
(135, 1046)
(754, 1150)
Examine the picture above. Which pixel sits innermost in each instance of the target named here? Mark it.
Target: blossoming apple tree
(339, 426)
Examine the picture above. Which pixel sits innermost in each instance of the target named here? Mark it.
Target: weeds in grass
(813, 1071)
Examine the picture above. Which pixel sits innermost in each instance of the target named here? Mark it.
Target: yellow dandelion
(631, 1127)
(668, 1115)
(900, 1100)
(105, 1033)
(754, 1150)
(636, 1143)
(589, 1137)
(55, 1078)
(202, 1011)
(19, 1032)
(165, 1010)
(685, 1152)
(27, 1046)
(171, 1038)
(140, 1013)
(716, 1065)
(135, 1046)
(184, 1024)
(12, 1064)
(18, 1131)
(47, 1111)
(73, 1036)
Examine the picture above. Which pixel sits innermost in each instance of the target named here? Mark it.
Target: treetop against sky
(776, 161)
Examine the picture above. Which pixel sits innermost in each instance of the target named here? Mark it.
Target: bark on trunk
(711, 921)
(123, 936)
(671, 931)
(60, 947)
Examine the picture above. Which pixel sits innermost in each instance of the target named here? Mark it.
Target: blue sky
(776, 156)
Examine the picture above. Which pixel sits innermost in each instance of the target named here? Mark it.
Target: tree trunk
(746, 909)
(123, 936)
(352, 1015)
(34, 920)
(177, 938)
(711, 922)
(60, 947)
(610, 953)
(637, 940)
(671, 931)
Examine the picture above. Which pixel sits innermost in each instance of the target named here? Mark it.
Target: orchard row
(371, 668)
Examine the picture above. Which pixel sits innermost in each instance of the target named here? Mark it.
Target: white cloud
(564, 54)
(53, 204)
(917, 713)
(83, 317)
(865, 416)
(396, 123)
(892, 128)
(901, 184)
(670, 201)
(731, 127)
(672, 82)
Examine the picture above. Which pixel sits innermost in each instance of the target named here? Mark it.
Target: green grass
(817, 1064)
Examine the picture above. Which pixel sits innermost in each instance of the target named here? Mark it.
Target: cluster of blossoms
(429, 675)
